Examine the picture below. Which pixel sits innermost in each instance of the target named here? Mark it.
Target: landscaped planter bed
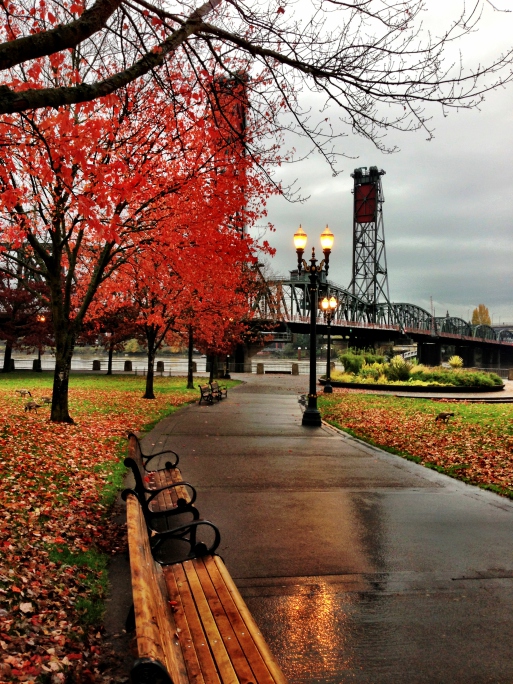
(456, 389)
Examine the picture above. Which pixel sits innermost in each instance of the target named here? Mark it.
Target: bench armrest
(146, 458)
(186, 533)
(169, 465)
(155, 492)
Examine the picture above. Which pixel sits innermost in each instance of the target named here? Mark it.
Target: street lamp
(328, 307)
(37, 365)
(311, 416)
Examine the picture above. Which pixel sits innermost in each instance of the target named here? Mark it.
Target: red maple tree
(87, 188)
(195, 277)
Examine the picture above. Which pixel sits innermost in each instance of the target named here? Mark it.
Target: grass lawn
(58, 483)
(476, 445)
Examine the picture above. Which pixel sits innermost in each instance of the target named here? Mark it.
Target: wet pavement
(358, 566)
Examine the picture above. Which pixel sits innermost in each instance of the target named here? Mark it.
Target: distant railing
(85, 364)
(169, 367)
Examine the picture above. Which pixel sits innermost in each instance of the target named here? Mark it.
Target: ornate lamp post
(311, 416)
(328, 307)
(36, 365)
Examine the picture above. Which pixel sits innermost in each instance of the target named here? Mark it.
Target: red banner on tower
(365, 203)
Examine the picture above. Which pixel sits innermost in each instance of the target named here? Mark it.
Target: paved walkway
(358, 566)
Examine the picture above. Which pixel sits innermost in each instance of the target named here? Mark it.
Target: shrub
(352, 362)
(460, 378)
(354, 359)
(371, 371)
(337, 376)
(398, 369)
(456, 362)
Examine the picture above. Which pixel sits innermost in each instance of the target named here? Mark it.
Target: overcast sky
(448, 209)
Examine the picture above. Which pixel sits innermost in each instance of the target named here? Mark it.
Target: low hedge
(423, 378)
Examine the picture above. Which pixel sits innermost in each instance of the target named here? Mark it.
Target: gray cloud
(448, 210)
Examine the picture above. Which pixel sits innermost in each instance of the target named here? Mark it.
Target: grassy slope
(476, 445)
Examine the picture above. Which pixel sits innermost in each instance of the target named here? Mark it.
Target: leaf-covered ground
(476, 445)
(57, 485)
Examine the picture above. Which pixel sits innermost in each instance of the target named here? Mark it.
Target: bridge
(284, 304)
(364, 314)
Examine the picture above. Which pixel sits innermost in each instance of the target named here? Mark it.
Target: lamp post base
(312, 416)
(328, 389)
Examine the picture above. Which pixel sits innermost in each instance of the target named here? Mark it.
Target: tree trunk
(109, 363)
(64, 346)
(214, 367)
(190, 377)
(7, 357)
(151, 338)
(149, 393)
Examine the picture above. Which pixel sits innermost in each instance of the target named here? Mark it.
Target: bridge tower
(370, 277)
(229, 108)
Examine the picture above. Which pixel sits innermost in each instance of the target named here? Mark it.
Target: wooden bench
(206, 394)
(135, 445)
(161, 492)
(218, 392)
(192, 625)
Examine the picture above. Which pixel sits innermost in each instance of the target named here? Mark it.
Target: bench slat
(252, 626)
(199, 638)
(230, 639)
(170, 635)
(153, 619)
(169, 497)
(261, 673)
(218, 647)
(148, 640)
(163, 478)
(186, 641)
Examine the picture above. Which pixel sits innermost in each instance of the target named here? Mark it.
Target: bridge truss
(287, 301)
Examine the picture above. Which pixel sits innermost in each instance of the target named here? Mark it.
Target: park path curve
(358, 566)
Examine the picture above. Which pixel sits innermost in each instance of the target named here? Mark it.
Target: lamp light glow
(300, 238)
(327, 239)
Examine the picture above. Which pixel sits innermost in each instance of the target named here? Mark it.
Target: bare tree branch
(64, 36)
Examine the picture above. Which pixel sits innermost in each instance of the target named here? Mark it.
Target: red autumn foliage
(51, 481)
(87, 188)
(24, 320)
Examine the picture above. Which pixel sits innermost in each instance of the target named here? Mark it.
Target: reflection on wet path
(352, 629)
(309, 628)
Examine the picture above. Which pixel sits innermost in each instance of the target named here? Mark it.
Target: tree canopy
(481, 315)
(120, 185)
